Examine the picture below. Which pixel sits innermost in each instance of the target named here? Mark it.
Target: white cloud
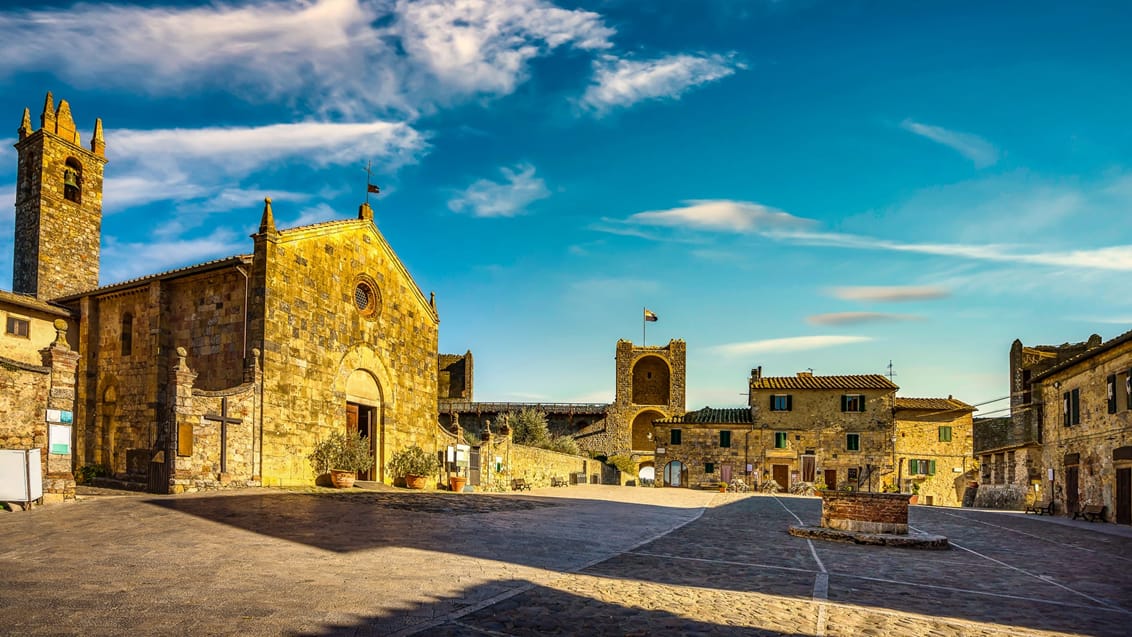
(790, 344)
(622, 82)
(720, 215)
(973, 147)
(206, 163)
(316, 214)
(486, 198)
(337, 56)
(891, 293)
(857, 318)
(124, 261)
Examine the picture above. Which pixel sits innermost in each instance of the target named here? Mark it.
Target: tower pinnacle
(25, 124)
(267, 222)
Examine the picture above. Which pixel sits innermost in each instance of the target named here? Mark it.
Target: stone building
(1009, 449)
(650, 385)
(836, 429)
(1086, 428)
(932, 449)
(706, 447)
(224, 373)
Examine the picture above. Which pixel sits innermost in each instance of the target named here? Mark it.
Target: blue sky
(826, 185)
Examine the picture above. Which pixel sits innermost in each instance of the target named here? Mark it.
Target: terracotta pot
(722, 488)
(415, 482)
(914, 499)
(456, 483)
(342, 479)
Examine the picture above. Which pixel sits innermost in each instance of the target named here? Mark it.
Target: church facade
(224, 373)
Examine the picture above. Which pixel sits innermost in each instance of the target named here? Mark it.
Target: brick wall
(865, 512)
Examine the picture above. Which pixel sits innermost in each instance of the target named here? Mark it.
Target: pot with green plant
(343, 456)
(414, 465)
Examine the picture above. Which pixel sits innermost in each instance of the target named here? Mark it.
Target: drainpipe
(244, 351)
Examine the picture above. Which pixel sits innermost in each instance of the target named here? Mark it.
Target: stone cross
(223, 419)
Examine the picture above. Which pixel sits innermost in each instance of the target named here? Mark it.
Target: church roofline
(32, 303)
(242, 259)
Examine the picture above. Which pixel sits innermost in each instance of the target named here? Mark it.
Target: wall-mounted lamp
(1057, 384)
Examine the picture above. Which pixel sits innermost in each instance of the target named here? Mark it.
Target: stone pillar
(181, 421)
(253, 373)
(59, 482)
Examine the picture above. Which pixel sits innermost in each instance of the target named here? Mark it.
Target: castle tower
(58, 205)
(650, 386)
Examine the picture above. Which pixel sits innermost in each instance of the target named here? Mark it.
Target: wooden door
(725, 473)
(831, 478)
(1071, 501)
(1124, 496)
(809, 468)
(781, 474)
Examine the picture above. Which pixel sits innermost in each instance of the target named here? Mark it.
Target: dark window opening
(852, 442)
(674, 437)
(781, 402)
(127, 337)
(853, 402)
(18, 327)
(73, 181)
(709, 467)
(725, 439)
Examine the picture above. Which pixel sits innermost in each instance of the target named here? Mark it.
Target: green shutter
(789, 402)
(931, 468)
(772, 402)
(911, 467)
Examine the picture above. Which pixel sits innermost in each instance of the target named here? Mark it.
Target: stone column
(181, 421)
(59, 483)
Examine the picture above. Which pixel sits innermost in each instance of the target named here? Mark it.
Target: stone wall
(1009, 477)
(865, 512)
(700, 445)
(305, 315)
(536, 466)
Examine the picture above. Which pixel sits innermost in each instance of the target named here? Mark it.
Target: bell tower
(58, 205)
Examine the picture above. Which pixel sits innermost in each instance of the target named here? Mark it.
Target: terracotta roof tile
(933, 404)
(707, 415)
(168, 274)
(32, 303)
(807, 381)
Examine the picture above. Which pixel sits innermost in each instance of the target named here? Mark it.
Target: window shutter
(911, 467)
(789, 402)
(844, 402)
(772, 402)
(1065, 409)
(931, 468)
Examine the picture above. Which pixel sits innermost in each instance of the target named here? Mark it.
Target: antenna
(891, 374)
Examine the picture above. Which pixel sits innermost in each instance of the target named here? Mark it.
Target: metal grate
(362, 296)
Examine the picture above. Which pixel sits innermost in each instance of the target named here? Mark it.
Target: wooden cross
(223, 419)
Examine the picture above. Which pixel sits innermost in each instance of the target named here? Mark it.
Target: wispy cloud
(486, 198)
(890, 293)
(336, 56)
(127, 260)
(857, 318)
(973, 147)
(720, 215)
(790, 344)
(620, 82)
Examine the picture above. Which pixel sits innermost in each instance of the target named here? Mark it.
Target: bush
(412, 461)
(529, 427)
(341, 452)
(86, 474)
(564, 444)
(624, 464)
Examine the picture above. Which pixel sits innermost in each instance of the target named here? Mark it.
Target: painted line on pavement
(1036, 537)
(820, 594)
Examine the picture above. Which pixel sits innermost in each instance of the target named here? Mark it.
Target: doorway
(1071, 496)
(674, 474)
(831, 478)
(1124, 495)
(781, 475)
(725, 473)
(360, 420)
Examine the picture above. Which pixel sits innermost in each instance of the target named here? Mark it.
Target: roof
(168, 274)
(708, 415)
(463, 407)
(933, 404)
(32, 303)
(1085, 355)
(809, 381)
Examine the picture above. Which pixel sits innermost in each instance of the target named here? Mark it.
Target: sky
(797, 185)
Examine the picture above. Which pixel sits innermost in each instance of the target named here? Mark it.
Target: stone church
(223, 373)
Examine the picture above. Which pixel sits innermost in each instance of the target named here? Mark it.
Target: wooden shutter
(912, 466)
(789, 402)
(844, 402)
(1112, 393)
(931, 468)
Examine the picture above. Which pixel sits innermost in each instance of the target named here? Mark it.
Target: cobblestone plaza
(579, 560)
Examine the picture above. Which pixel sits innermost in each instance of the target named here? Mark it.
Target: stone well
(867, 518)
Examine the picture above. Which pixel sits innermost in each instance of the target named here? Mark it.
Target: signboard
(660, 451)
(59, 439)
(60, 416)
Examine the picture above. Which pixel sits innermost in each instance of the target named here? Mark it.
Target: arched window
(127, 334)
(73, 180)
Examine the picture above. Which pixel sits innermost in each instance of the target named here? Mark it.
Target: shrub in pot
(413, 464)
(343, 455)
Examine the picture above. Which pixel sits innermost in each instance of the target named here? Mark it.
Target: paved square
(582, 560)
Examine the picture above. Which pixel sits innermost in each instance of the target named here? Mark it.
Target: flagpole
(644, 324)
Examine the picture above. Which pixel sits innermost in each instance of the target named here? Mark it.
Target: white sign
(660, 451)
(1050, 474)
(54, 415)
(59, 439)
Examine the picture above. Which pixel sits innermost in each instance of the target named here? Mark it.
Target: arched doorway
(675, 474)
(646, 473)
(650, 381)
(642, 430)
(363, 411)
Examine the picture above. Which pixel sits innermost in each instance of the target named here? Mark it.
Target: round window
(367, 298)
(363, 297)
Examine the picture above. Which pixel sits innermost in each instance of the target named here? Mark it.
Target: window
(945, 434)
(1071, 409)
(73, 180)
(986, 468)
(919, 467)
(1009, 467)
(367, 297)
(781, 402)
(853, 402)
(780, 440)
(999, 473)
(709, 467)
(18, 327)
(127, 337)
(853, 442)
(1111, 393)
(674, 437)
(852, 474)
(725, 439)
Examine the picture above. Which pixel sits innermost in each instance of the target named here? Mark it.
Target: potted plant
(457, 481)
(414, 465)
(915, 499)
(343, 456)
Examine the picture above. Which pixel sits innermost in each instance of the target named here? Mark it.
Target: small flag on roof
(650, 316)
(373, 188)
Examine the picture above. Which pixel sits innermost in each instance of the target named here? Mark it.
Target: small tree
(412, 461)
(341, 452)
(529, 427)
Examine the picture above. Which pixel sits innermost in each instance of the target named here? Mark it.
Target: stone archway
(107, 423)
(651, 381)
(642, 434)
(363, 413)
(646, 472)
(675, 474)
(363, 384)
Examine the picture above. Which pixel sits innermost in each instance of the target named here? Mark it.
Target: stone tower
(650, 386)
(58, 205)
